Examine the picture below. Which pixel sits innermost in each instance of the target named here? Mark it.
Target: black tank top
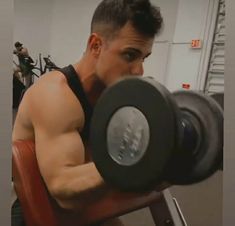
(76, 86)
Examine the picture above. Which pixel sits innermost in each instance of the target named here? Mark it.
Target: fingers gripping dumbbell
(141, 135)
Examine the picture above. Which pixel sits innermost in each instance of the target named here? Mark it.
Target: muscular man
(55, 111)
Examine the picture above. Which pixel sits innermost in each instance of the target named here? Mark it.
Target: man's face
(19, 48)
(123, 55)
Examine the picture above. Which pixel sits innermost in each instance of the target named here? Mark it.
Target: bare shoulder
(24, 51)
(53, 103)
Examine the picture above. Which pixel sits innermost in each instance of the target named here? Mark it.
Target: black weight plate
(154, 102)
(188, 168)
(219, 98)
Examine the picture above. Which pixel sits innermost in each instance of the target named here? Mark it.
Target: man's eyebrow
(148, 54)
(139, 52)
(133, 50)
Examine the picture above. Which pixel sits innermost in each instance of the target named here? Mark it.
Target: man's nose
(137, 69)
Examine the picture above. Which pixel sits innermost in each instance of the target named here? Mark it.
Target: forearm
(79, 185)
(91, 192)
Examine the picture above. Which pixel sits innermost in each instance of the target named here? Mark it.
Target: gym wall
(156, 64)
(187, 66)
(32, 25)
(70, 29)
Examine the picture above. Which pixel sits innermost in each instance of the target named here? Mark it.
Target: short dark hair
(18, 44)
(112, 15)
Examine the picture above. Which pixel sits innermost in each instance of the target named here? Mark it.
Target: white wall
(187, 65)
(32, 25)
(156, 64)
(70, 29)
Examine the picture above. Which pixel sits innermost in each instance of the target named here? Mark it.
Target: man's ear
(95, 44)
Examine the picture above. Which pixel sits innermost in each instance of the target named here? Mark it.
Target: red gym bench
(39, 209)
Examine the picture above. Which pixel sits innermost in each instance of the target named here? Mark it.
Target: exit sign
(196, 44)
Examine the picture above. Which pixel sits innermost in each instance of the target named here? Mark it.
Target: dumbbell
(200, 148)
(219, 98)
(142, 135)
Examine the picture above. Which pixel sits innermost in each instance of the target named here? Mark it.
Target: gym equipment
(219, 98)
(18, 91)
(40, 209)
(49, 65)
(199, 153)
(142, 135)
(131, 140)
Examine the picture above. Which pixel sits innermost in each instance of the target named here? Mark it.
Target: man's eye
(128, 56)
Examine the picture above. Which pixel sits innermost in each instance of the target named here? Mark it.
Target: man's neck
(92, 85)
